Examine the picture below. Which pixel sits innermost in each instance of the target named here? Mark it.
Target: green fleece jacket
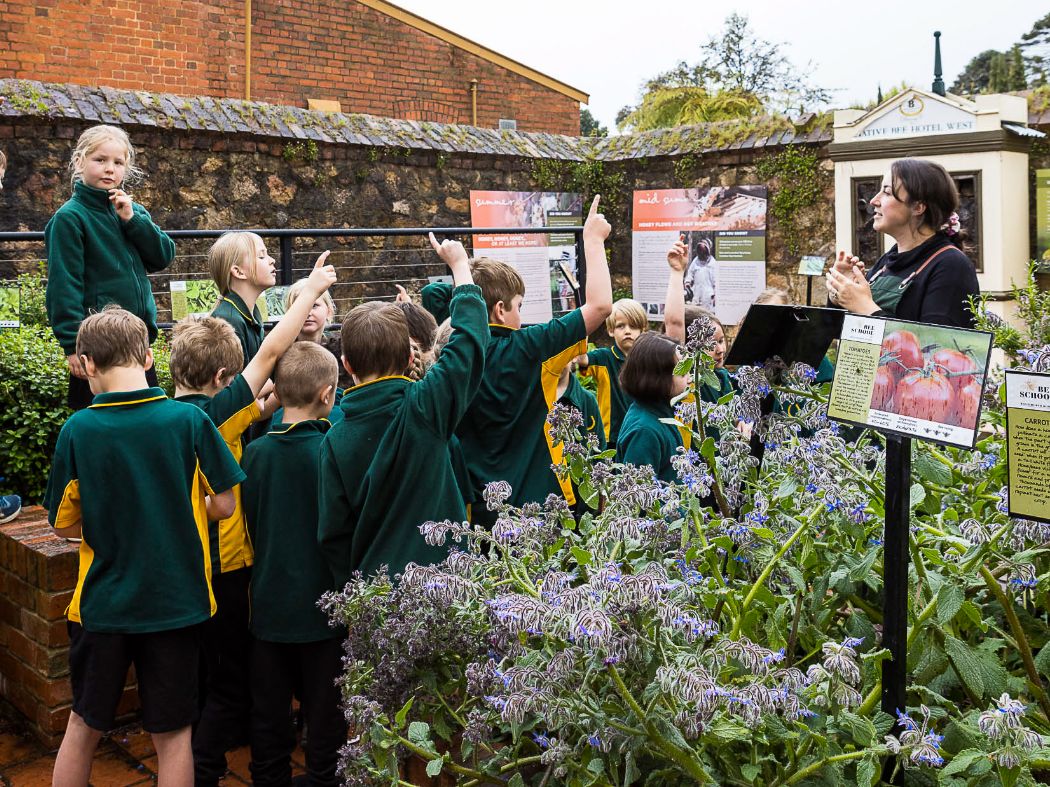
(95, 258)
(385, 469)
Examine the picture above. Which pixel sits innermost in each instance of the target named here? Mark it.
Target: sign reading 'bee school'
(1028, 444)
(910, 378)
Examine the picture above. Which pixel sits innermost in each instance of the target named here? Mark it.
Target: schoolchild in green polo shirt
(503, 433)
(242, 270)
(385, 469)
(649, 379)
(205, 366)
(141, 507)
(627, 322)
(295, 650)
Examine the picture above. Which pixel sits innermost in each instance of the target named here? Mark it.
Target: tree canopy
(738, 75)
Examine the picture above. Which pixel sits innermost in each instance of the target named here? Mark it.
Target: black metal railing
(368, 264)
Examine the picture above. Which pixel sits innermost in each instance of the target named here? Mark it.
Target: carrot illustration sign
(912, 379)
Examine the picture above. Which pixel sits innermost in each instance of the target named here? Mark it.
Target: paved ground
(124, 758)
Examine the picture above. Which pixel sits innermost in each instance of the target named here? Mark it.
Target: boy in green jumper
(142, 510)
(294, 645)
(503, 433)
(205, 361)
(385, 468)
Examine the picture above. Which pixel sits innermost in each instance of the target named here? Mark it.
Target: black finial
(938, 83)
(878, 98)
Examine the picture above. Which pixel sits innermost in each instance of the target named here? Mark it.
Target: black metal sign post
(895, 582)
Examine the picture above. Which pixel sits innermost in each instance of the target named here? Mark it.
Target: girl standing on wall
(100, 247)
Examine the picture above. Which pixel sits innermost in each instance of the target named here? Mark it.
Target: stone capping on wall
(30, 99)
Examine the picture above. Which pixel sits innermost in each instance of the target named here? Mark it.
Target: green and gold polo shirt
(604, 365)
(247, 322)
(133, 469)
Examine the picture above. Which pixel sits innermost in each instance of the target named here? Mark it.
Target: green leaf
(750, 772)
(684, 366)
(950, 599)
(1008, 776)
(967, 662)
(929, 469)
(1042, 660)
(434, 767)
(710, 379)
(399, 718)
(596, 765)
(631, 773)
(582, 556)
(861, 729)
(764, 533)
(867, 772)
(918, 494)
(707, 449)
(787, 489)
(962, 761)
(419, 732)
(863, 568)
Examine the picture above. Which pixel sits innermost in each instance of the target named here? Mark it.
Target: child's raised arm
(258, 371)
(599, 286)
(455, 257)
(674, 299)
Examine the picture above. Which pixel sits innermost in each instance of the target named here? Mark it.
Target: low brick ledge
(38, 573)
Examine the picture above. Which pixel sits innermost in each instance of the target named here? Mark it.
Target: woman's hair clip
(952, 225)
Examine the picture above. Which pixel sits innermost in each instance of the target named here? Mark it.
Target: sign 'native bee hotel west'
(915, 115)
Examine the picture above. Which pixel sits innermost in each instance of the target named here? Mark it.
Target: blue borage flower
(919, 743)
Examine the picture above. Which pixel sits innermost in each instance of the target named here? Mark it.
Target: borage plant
(721, 630)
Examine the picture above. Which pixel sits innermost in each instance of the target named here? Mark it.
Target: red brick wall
(328, 49)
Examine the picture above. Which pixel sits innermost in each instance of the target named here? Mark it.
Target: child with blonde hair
(100, 247)
(242, 269)
(626, 323)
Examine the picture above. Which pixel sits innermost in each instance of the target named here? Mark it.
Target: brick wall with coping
(38, 573)
(326, 49)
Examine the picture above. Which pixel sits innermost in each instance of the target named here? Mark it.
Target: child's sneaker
(10, 507)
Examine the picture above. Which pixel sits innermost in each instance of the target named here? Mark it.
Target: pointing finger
(594, 205)
(433, 242)
(321, 259)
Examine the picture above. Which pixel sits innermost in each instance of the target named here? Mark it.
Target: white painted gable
(916, 113)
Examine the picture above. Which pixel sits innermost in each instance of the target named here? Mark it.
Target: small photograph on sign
(811, 266)
(913, 379)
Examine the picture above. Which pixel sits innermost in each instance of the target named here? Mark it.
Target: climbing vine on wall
(588, 177)
(795, 185)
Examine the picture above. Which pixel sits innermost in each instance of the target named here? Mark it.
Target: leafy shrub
(33, 384)
(34, 380)
(720, 630)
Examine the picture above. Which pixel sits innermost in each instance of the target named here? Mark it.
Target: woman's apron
(888, 289)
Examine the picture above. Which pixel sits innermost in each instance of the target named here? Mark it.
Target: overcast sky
(607, 49)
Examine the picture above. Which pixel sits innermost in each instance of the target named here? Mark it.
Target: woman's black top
(941, 293)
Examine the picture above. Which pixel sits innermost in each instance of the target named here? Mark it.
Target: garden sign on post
(906, 380)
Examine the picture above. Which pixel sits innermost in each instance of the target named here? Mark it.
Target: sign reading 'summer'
(725, 231)
(910, 379)
(536, 257)
(1028, 444)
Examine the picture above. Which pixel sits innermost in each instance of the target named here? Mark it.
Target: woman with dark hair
(648, 378)
(925, 277)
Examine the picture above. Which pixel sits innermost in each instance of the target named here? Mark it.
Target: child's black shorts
(166, 664)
